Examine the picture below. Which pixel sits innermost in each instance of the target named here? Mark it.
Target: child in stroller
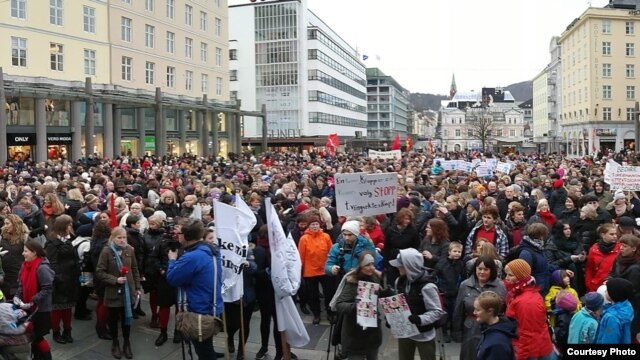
(15, 332)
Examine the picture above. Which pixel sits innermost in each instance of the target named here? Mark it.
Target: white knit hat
(352, 227)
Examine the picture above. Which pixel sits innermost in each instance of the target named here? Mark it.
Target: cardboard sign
(367, 307)
(609, 170)
(385, 155)
(396, 311)
(626, 178)
(361, 194)
(484, 170)
(503, 167)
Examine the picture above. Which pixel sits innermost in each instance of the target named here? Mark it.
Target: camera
(169, 233)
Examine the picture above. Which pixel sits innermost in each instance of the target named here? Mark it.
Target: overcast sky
(421, 43)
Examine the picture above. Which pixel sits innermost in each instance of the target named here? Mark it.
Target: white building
(312, 82)
(547, 100)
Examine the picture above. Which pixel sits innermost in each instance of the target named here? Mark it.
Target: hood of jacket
(313, 234)
(505, 326)
(413, 263)
(623, 311)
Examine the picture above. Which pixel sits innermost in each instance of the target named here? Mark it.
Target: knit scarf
(128, 313)
(625, 261)
(29, 279)
(48, 211)
(538, 244)
(606, 247)
(548, 217)
(514, 289)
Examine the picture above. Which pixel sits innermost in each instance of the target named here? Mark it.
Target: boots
(46, 355)
(57, 337)
(155, 322)
(66, 335)
(162, 338)
(126, 349)
(115, 349)
(103, 333)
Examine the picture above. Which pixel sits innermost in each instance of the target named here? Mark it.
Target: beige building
(128, 48)
(599, 81)
(540, 108)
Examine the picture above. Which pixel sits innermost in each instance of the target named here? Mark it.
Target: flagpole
(242, 327)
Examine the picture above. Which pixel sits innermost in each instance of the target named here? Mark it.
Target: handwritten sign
(483, 170)
(367, 307)
(503, 167)
(396, 311)
(626, 178)
(609, 170)
(385, 155)
(466, 166)
(361, 194)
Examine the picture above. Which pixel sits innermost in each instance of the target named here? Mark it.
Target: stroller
(15, 333)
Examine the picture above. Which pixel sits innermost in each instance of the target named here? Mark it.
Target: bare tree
(483, 130)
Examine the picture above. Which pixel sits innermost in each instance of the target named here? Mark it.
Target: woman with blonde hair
(168, 204)
(14, 234)
(73, 202)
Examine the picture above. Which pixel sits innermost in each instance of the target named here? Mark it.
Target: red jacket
(533, 339)
(598, 266)
(377, 236)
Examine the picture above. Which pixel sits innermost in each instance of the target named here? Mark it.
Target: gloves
(26, 306)
(386, 292)
(17, 302)
(386, 323)
(415, 319)
(2, 251)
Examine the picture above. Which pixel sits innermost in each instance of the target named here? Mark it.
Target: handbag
(199, 326)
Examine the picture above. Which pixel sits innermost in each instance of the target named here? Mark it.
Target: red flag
(332, 144)
(409, 143)
(396, 143)
(112, 203)
(430, 147)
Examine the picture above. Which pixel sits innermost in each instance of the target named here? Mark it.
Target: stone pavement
(88, 346)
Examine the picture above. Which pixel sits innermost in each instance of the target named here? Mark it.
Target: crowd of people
(513, 265)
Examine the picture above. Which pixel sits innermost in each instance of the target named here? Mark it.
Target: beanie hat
(301, 207)
(602, 290)
(558, 184)
(520, 269)
(619, 194)
(566, 301)
(557, 278)
(475, 203)
(314, 218)
(402, 203)
(593, 301)
(619, 289)
(352, 227)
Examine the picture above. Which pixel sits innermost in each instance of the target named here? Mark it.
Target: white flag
(233, 249)
(246, 218)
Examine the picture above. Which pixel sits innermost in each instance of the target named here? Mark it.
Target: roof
(526, 104)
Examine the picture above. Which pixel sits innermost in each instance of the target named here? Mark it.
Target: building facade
(387, 107)
(599, 80)
(142, 58)
(310, 80)
(541, 111)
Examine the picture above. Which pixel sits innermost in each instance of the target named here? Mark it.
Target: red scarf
(514, 289)
(548, 218)
(48, 211)
(29, 279)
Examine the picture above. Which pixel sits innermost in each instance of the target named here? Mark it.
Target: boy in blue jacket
(497, 332)
(615, 326)
(584, 324)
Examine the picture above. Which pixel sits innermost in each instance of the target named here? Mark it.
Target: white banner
(361, 194)
(503, 167)
(483, 170)
(367, 306)
(385, 155)
(610, 168)
(626, 178)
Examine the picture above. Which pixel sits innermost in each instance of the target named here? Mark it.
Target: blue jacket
(496, 341)
(615, 325)
(582, 329)
(193, 273)
(538, 262)
(349, 259)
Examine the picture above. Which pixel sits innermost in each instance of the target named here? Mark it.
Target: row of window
(315, 54)
(276, 74)
(606, 114)
(335, 83)
(630, 70)
(607, 93)
(276, 22)
(629, 27)
(470, 132)
(324, 118)
(629, 48)
(317, 34)
(322, 97)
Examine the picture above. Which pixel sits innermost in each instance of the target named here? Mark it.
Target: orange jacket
(314, 252)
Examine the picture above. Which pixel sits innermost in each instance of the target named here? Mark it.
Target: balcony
(551, 81)
(551, 99)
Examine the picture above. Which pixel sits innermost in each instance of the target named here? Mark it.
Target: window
(233, 54)
(458, 133)
(470, 132)
(89, 19)
(19, 51)
(631, 92)
(203, 21)
(631, 71)
(188, 80)
(606, 26)
(171, 76)
(218, 86)
(512, 132)
(55, 12)
(171, 37)
(127, 65)
(606, 113)
(188, 15)
(89, 62)
(217, 3)
(631, 114)
(127, 1)
(629, 28)
(606, 91)
(19, 9)
(149, 72)
(57, 56)
(233, 75)
(218, 27)
(606, 48)
(498, 132)
(630, 49)
(125, 27)
(188, 47)
(149, 36)
(218, 56)
(149, 5)
(204, 52)
(171, 6)
(204, 83)
(606, 70)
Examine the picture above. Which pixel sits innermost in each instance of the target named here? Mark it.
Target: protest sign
(367, 307)
(626, 178)
(609, 170)
(503, 167)
(396, 311)
(360, 194)
(466, 166)
(483, 170)
(492, 162)
(385, 155)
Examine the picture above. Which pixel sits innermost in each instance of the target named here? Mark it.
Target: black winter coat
(172, 210)
(570, 216)
(65, 263)
(396, 239)
(457, 223)
(150, 267)
(557, 200)
(135, 240)
(74, 206)
(560, 255)
(11, 264)
(35, 223)
(586, 232)
(450, 275)
(438, 252)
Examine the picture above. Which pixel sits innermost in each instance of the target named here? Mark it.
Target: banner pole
(242, 327)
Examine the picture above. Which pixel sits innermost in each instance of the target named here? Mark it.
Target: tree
(483, 129)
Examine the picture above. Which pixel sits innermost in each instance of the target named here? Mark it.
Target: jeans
(204, 348)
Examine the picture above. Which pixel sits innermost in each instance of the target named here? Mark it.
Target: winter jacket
(35, 222)
(150, 265)
(500, 242)
(571, 216)
(193, 273)
(464, 324)
(458, 224)
(599, 265)
(496, 341)
(346, 256)
(549, 299)
(583, 326)
(631, 273)
(527, 308)
(64, 262)
(540, 269)
(108, 272)
(354, 339)
(515, 232)
(450, 274)
(586, 232)
(11, 264)
(377, 236)
(172, 210)
(561, 328)
(438, 251)
(136, 241)
(604, 198)
(559, 251)
(42, 299)
(557, 199)
(615, 325)
(73, 207)
(314, 250)
(396, 239)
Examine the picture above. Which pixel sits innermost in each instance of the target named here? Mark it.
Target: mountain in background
(521, 91)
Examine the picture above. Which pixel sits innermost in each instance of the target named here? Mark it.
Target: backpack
(442, 321)
(85, 264)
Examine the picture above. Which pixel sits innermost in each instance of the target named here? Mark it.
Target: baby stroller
(15, 333)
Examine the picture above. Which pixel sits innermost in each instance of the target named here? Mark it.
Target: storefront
(58, 146)
(129, 147)
(21, 146)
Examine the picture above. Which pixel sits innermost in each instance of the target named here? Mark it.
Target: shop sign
(606, 132)
(284, 133)
(149, 143)
(15, 139)
(58, 139)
